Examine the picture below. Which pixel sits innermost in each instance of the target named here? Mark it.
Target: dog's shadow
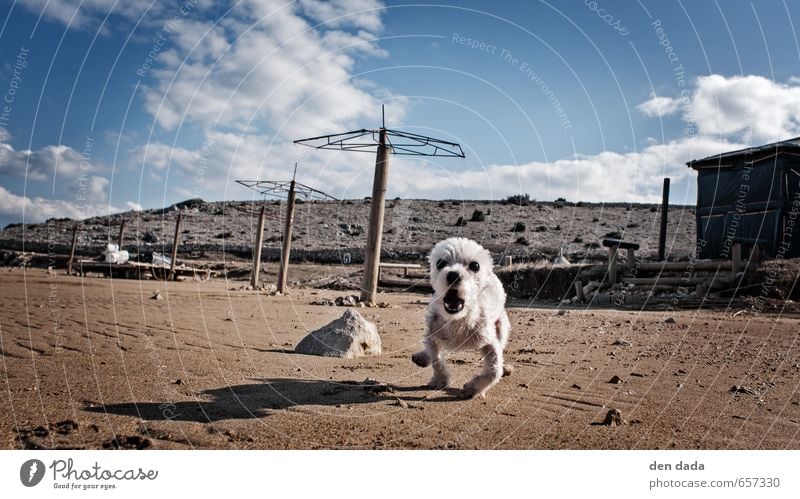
(260, 399)
(247, 401)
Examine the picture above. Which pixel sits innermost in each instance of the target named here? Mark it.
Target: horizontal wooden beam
(401, 266)
(405, 283)
(665, 281)
(682, 266)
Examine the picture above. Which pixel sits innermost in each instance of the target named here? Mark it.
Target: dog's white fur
(467, 314)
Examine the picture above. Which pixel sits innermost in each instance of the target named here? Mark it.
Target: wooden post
(662, 234)
(579, 292)
(372, 255)
(754, 258)
(287, 240)
(612, 264)
(121, 234)
(257, 248)
(175, 242)
(72, 248)
(736, 259)
(631, 260)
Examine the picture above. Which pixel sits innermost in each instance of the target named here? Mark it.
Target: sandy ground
(94, 363)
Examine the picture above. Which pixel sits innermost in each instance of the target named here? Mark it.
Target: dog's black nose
(453, 277)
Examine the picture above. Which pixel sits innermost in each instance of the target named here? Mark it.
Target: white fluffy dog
(466, 311)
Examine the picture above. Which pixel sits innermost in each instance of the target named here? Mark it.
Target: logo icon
(31, 472)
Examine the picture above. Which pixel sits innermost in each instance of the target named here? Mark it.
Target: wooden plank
(401, 265)
(682, 266)
(673, 281)
(406, 283)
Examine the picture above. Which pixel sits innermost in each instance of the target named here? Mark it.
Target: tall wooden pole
(287, 240)
(72, 248)
(175, 243)
(662, 234)
(257, 248)
(121, 234)
(372, 256)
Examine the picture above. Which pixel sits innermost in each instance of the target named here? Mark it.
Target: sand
(97, 363)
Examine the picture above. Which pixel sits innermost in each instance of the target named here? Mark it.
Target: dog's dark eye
(474, 266)
(441, 264)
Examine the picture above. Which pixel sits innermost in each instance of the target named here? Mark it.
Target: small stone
(65, 427)
(638, 375)
(613, 418)
(669, 320)
(347, 337)
(157, 296)
(616, 380)
(576, 386)
(743, 389)
(177, 382)
(622, 343)
(400, 402)
(347, 301)
(324, 302)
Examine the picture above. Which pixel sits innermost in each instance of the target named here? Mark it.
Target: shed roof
(751, 153)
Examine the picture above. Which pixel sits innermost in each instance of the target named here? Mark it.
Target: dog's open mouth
(452, 303)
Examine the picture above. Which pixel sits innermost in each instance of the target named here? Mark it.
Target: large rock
(347, 337)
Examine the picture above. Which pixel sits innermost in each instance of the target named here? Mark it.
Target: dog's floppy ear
(441, 252)
(486, 258)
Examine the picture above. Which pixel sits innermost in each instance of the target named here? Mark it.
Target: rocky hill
(335, 231)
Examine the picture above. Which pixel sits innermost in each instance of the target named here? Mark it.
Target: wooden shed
(750, 196)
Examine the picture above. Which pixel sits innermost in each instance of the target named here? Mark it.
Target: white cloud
(266, 71)
(63, 161)
(226, 157)
(5, 135)
(98, 187)
(604, 177)
(751, 109)
(88, 13)
(38, 209)
(132, 206)
(659, 106)
(365, 14)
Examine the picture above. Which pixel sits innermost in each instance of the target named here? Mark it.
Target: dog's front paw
(438, 383)
(475, 387)
(422, 359)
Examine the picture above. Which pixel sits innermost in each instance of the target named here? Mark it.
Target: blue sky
(113, 106)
